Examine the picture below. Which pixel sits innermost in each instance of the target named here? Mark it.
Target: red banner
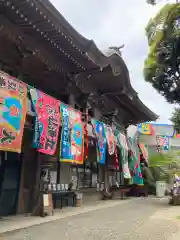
(47, 121)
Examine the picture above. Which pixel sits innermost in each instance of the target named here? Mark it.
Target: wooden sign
(47, 205)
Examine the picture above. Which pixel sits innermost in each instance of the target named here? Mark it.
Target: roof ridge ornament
(116, 49)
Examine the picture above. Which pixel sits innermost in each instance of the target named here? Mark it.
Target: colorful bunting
(47, 123)
(13, 108)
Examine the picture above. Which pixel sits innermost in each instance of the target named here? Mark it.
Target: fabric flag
(137, 178)
(72, 136)
(13, 109)
(101, 141)
(110, 139)
(86, 135)
(122, 143)
(47, 122)
(144, 151)
(115, 147)
(135, 161)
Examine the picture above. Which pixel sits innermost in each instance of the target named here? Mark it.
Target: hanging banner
(122, 143)
(144, 151)
(126, 171)
(77, 136)
(72, 136)
(13, 108)
(138, 178)
(47, 123)
(145, 128)
(101, 141)
(110, 139)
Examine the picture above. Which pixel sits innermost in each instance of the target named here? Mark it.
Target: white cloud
(119, 22)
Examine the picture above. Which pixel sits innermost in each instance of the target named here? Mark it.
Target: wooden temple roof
(39, 20)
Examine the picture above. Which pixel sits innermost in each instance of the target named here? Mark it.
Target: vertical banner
(101, 141)
(135, 161)
(72, 136)
(13, 108)
(65, 144)
(144, 151)
(77, 136)
(138, 178)
(47, 123)
(122, 142)
(110, 139)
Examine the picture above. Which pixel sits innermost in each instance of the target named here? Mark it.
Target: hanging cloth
(47, 123)
(137, 175)
(72, 136)
(115, 148)
(86, 134)
(110, 139)
(122, 142)
(144, 151)
(99, 131)
(13, 109)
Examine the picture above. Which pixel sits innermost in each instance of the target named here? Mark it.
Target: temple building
(42, 54)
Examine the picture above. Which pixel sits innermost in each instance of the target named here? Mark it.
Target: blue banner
(72, 136)
(101, 141)
(65, 149)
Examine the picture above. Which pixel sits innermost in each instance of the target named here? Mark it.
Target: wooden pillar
(20, 206)
(36, 195)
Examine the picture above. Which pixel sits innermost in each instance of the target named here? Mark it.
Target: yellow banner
(145, 128)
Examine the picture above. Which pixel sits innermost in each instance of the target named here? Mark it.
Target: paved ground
(139, 219)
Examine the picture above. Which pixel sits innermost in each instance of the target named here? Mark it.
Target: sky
(117, 22)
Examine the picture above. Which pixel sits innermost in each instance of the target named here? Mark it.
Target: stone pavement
(12, 223)
(125, 220)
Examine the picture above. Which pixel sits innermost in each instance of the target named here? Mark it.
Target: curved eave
(147, 114)
(138, 111)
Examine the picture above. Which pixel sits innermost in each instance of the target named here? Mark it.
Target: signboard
(145, 128)
(164, 142)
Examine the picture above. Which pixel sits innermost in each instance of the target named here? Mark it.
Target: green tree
(175, 119)
(161, 167)
(162, 66)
